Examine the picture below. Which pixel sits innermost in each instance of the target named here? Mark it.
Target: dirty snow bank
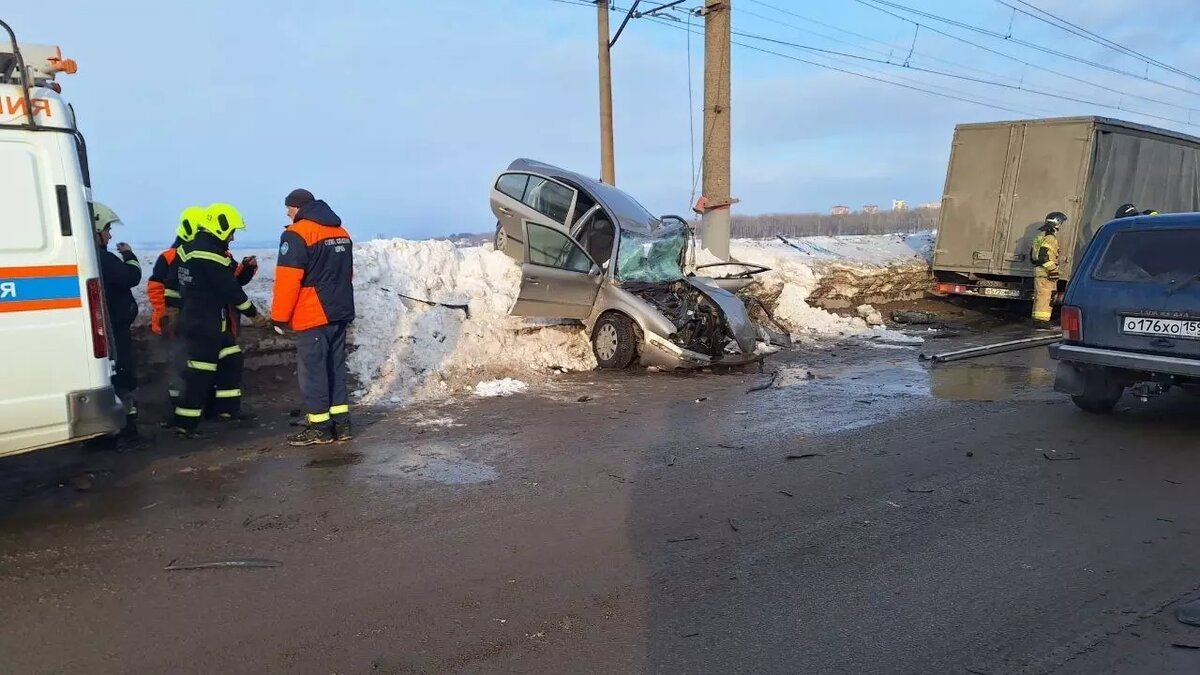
(856, 270)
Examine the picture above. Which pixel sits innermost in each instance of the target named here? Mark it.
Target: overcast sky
(400, 113)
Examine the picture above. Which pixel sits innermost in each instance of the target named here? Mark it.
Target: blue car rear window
(1158, 255)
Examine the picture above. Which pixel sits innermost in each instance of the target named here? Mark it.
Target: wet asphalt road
(920, 528)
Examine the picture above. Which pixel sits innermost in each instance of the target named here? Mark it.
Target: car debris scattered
(920, 491)
(463, 308)
(733, 525)
(678, 540)
(785, 493)
(1059, 458)
(236, 563)
(806, 455)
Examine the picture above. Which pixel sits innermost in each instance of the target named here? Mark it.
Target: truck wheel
(1100, 393)
(614, 342)
(498, 241)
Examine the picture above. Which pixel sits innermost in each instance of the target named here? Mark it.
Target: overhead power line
(967, 78)
(1082, 32)
(1003, 55)
(876, 5)
(965, 98)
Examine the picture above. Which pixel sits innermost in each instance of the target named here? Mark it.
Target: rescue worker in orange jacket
(165, 301)
(314, 297)
(209, 287)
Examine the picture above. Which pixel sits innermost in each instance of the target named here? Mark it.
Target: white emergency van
(54, 342)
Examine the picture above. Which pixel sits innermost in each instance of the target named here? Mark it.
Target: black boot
(311, 436)
(342, 432)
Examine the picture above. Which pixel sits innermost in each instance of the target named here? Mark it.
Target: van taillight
(95, 295)
(1071, 319)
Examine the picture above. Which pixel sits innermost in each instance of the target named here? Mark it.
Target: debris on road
(893, 504)
(730, 447)
(733, 525)
(767, 385)
(583, 399)
(1059, 458)
(691, 635)
(785, 493)
(1189, 613)
(970, 453)
(702, 399)
(619, 479)
(920, 491)
(1172, 482)
(236, 563)
(988, 350)
(671, 460)
(681, 539)
(1184, 645)
(807, 455)
(914, 318)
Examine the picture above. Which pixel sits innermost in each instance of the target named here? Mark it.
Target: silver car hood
(737, 317)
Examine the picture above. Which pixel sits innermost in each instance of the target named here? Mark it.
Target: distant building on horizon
(933, 206)
(840, 210)
(870, 208)
(899, 205)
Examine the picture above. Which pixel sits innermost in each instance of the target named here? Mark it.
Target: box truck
(1004, 177)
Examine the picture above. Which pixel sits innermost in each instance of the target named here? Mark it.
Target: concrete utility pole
(716, 200)
(608, 169)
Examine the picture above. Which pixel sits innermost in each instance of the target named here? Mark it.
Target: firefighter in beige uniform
(1044, 256)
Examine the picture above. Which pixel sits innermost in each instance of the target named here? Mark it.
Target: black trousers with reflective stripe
(212, 378)
(321, 366)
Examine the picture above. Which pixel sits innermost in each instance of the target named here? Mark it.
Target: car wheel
(498, 241)
(1100, 393)
(614, 342)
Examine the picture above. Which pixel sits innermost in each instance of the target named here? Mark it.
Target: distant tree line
(807, 224)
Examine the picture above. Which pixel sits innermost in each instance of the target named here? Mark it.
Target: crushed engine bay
(700, 325)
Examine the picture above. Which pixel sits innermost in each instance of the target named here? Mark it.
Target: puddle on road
(987, 383)
(433, 462)
(335, 461)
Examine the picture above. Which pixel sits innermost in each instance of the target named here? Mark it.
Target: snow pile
(871, 315)
(505, 387)
(406, 350)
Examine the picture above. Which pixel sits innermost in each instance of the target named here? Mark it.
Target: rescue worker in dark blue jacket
(314, 296)
(209, 288)
(120, 275)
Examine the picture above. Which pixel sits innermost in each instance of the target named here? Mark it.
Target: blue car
(1131, 314)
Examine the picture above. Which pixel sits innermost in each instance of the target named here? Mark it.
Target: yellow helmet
(104, 217)
(189, 222)
(221, 220)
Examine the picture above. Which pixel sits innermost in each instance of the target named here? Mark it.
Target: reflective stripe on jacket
(1044, 254)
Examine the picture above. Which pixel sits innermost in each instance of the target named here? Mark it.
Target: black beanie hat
(298, 198)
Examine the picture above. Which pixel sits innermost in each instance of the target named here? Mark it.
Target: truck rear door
(971, 203)
(1143, 292)
(1050, 172)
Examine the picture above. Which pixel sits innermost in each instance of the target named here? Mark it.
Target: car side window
(550, 248)
(548, 198)
(513, 185)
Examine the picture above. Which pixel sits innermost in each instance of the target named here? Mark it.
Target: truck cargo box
(1004, 177)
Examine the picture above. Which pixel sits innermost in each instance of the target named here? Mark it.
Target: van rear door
(55, 355)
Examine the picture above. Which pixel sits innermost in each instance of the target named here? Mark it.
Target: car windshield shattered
(652, 257)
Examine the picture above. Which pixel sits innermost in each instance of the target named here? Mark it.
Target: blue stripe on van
(38, 288)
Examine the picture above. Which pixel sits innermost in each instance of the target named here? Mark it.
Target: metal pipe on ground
(998, 348)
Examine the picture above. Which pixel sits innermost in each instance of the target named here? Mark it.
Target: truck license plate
(1179, 328)
(1000, 292)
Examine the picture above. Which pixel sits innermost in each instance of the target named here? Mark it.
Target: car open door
(559, 279)
(518, 198)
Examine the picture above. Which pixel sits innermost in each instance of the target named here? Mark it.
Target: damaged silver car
(591, 252)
